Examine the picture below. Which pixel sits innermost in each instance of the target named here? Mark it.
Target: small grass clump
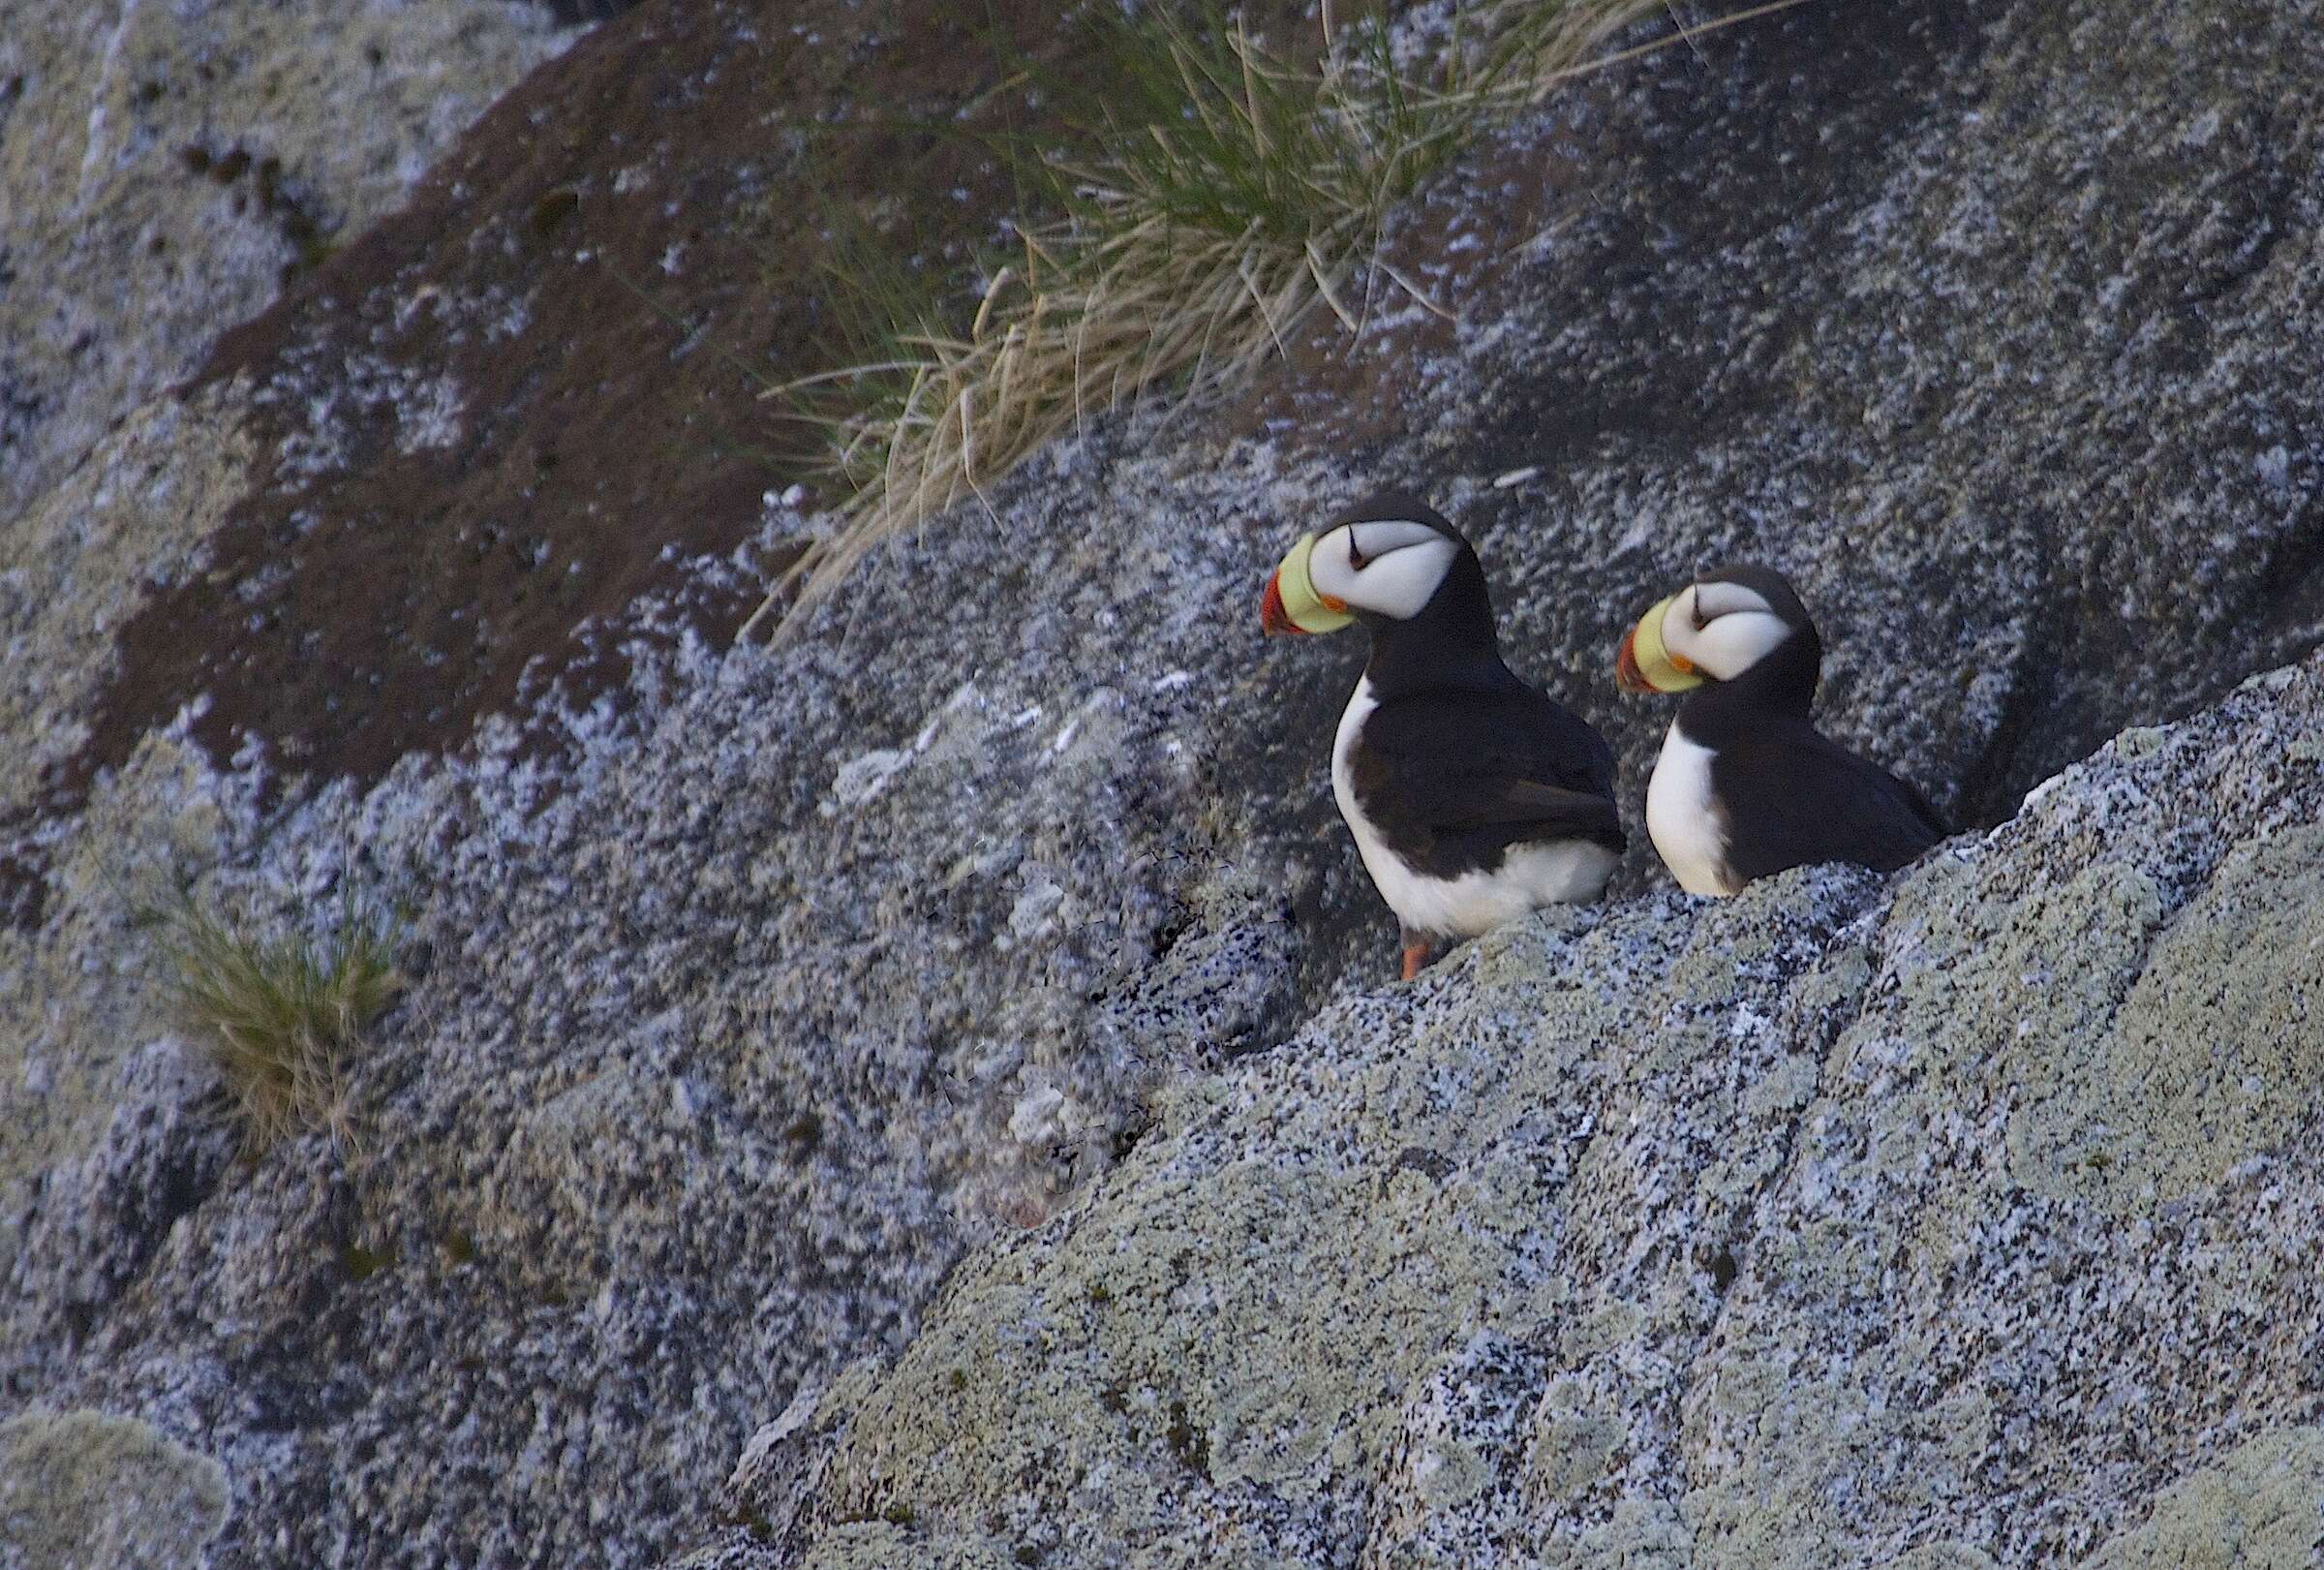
(279, 1015)
(1177, 232)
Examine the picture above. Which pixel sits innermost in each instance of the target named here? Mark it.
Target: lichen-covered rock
(1805, 1228)
(88, 1491)
(165, 168)
(138, 510)
(2256, 1505)
(133, 516)
(111, 1132)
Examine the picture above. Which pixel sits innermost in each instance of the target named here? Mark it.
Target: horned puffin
(1746, 786)
(1473, 798)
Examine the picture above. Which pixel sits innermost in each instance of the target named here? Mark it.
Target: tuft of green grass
(279, 1015)
(1217, 198)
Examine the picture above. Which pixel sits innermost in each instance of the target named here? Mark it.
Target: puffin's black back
(1793, 797)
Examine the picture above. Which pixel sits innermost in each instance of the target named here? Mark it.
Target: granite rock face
(166, 168)
(1968, 1220)
(752, 991)
(627, 1202)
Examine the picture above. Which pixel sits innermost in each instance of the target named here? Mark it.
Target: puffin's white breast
(1529, 877)
(1684, 818)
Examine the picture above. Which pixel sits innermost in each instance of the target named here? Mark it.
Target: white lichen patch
(428, 416)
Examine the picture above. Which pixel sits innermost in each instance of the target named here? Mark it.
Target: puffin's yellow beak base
(1291, 596)
(1645, 666)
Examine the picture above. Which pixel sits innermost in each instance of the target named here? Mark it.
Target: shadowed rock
(166, 170)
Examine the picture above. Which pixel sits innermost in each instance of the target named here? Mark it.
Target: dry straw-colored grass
(1227, 195)
(279, 1015)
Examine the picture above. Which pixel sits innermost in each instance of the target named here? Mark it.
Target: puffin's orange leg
(1418, 952)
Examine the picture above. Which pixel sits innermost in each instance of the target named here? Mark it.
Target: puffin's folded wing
(1500, 766)
(1812, 800)
(1547, 812)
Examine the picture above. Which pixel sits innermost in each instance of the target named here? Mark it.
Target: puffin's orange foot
(1418, 952)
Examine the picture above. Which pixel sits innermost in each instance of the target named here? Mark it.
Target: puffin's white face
(1716, 629)
(1723, 629)
(1388, 566)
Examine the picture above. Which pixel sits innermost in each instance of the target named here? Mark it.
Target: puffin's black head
(1387, 561)
(1722, 624)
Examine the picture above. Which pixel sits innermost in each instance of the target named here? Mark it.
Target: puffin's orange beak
(1273, 617)
(1626, 674)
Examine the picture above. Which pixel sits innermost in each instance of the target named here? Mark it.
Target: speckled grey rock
(130, 236)
(805, 1026)
(1971, 1218)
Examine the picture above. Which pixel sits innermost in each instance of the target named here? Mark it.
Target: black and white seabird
(1473, 798)
(1746, 786)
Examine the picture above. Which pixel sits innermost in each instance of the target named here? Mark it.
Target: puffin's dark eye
(1357, 560)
